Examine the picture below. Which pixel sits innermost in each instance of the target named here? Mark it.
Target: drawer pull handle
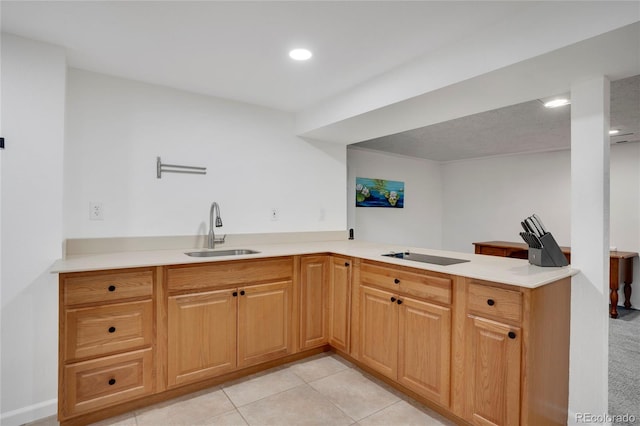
(491, 302)
(112, 382)
(397, 281)
(393, 299)
(512, 335)
(242, 293)
(112, 329)
(235, 294)
(399, 302)
(112, 288)
(346, 263)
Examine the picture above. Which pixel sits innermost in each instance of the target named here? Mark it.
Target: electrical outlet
(96, 211)
(274, 214)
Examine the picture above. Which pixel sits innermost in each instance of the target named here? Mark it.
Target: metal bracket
(174, 168)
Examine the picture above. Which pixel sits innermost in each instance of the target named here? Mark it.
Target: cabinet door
(201, 336)
(379, 330)
(339, 303)
(264, 322)
(424, 349)
(313, 301)
(493, 372)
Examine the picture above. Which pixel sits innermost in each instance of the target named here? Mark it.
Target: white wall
(116, 128)
(535, 183)
(419, 223)
(485, 199)
(33, 91)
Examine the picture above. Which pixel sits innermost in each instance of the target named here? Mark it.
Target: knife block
(550, 253)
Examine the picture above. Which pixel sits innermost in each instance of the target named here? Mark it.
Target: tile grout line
(324, 397)
(304, 382)
(236, 408)
(366, 376)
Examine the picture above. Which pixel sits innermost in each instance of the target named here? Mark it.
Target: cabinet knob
(397, 281)
(512, 335)
(399, 302)
(112, 288)
(346, 263)
(242, 293)
(393, 299)
(112, 382)
(491, 302)
(235, 294)
(112, 329)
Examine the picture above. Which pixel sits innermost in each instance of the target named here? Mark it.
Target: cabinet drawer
(492, 251)
(494, 301)
(224, 274)
(107, 329)
(425, 285)
(106, 287)
(101, 382)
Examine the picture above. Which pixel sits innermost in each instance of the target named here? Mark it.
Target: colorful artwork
(379, 193)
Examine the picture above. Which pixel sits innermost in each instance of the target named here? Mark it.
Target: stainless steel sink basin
(216, 253)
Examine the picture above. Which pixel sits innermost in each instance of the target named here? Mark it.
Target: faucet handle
(220, 240)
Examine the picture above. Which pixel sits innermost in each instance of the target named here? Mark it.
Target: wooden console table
(616, 258)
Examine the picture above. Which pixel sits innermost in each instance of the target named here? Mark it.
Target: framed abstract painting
(379, 193)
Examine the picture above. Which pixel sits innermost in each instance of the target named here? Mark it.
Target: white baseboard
(29, 413)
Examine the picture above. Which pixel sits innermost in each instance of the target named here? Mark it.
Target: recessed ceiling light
(614, 131)
(300, 54)
(557, 103)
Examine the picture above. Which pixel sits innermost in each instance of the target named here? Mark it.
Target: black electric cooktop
(425, 258)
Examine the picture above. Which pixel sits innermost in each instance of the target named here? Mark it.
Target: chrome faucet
(218, 223)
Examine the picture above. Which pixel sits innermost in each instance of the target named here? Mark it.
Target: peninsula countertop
(517, 272)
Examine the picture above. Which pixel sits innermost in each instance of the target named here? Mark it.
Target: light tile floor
(321, 390)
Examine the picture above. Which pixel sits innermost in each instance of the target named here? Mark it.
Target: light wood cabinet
(512, 357)
(493, 354)
(235, 325)
(340, 303)
(424, 348)
(100, 382)
(106, 342)
(201, 335)
(405, 338)
(264, 322)
(493, 372)
(100, 330)
(379, 330)
(480, 352)
(314, 277)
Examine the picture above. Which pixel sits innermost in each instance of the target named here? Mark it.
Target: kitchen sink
(425, 258)
(216, 253)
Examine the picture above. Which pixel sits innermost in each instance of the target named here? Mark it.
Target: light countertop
(516, 272)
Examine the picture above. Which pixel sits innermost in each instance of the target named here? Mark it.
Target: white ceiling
(525, 127)
(239, 50)
(379, 67)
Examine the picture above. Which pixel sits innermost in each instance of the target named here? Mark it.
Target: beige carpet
(624, 365)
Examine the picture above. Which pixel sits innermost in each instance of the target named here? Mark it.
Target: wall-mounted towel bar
(174, 168)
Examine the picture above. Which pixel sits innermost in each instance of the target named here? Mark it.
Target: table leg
(613, 287)
(613, 308)
(628, 279)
